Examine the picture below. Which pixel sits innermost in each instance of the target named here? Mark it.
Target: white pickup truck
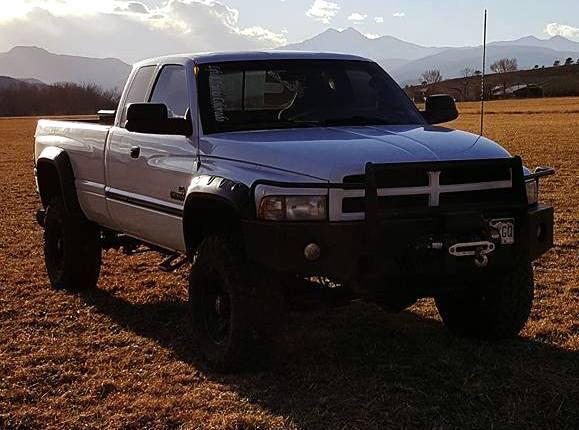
(264, 167)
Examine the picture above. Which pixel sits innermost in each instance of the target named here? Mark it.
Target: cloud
(555, 29)
(133, 6)
(323, 11)
(399, 14)
(261, 33)
(132, 31)
(357, 17)
(379, 19)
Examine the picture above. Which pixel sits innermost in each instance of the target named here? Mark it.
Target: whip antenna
(482, 79)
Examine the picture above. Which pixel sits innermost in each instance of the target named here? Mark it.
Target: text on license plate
(506, 229)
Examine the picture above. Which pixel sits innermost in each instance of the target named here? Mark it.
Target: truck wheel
(495, 311)
(235, 311)
(72, 250)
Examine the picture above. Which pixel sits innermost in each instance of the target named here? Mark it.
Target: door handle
(135, 152)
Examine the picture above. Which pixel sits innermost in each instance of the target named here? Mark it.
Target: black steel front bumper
(350, 250)
(394, 240)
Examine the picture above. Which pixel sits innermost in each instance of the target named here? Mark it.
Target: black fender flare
(65, 175)
(224, 199)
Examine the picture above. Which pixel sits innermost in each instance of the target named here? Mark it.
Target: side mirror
(153, 118)
(440, 108)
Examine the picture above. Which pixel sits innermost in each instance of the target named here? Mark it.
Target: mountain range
(405, 61)
(8, 82)
(37, 63)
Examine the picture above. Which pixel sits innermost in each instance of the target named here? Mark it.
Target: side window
(138, 90)
(171, 90)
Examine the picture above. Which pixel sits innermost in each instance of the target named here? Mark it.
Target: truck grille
(410, 187)
(417, 177)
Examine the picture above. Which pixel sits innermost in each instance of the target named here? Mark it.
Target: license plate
(506, 230)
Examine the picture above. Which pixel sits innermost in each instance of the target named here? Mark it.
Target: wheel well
(49, 184)
(207, 215)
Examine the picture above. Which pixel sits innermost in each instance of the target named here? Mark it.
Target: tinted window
(171, 90)
(138, 90)
(257, 95)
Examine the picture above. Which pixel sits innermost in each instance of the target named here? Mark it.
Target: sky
(132, 30)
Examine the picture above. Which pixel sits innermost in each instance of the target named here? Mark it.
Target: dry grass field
(120, 357)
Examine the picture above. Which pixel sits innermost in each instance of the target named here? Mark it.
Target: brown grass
(120, 357)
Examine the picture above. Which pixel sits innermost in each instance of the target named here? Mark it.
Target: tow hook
(478, 250)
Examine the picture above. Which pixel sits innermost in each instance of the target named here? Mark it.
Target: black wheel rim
(56, 247)
(216, 312)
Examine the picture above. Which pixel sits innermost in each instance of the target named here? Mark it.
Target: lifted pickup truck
(259, 168)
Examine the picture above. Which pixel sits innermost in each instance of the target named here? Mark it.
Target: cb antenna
(482, 79)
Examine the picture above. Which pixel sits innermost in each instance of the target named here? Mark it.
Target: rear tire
(235, 308)
(72, 249)
(496, 311)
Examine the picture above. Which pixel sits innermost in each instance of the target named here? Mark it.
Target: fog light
(541, 232)
(312, 252)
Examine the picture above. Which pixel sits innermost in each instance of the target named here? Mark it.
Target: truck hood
(330, 153)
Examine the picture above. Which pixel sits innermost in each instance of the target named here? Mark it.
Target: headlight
(532, 187)
(293, 208)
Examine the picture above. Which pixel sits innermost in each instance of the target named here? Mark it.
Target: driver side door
(147, 174)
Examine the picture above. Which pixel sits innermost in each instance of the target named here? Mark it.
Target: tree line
(58, 99)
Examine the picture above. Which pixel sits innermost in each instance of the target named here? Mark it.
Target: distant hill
(351, 41)
(556, 43)
(8, 82)
(39, 64)
(451, 62)
(551, 82)
(407, 61)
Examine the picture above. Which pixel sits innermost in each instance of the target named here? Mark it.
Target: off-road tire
(72, 249)
(247, 313)
(497, 310)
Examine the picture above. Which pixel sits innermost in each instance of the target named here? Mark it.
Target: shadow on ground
(356, 367)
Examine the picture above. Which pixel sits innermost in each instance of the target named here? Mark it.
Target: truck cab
(261, 167)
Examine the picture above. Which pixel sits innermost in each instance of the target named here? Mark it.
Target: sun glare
(19, 8)
(14, 9)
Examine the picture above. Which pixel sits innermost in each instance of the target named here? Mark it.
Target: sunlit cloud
(555, 29)
(357, 17)
(323, 11)
(95, 28)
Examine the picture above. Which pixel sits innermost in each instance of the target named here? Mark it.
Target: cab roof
(221, 57)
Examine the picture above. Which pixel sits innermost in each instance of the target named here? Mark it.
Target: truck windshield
(261, 95)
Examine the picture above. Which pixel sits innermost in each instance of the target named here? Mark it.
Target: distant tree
(57, 99)
(556, 63)
(505, 65)
(424, 83)
(477, 73)
(577, 61)
(467, 72)
(502, 67)
(536, 66)
(432, 77)
(568, 61)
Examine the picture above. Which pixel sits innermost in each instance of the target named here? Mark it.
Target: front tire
(235, 310)
(72, 249)
(495, 311)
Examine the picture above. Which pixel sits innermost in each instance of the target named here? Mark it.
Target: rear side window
(138, 90)
(171, 90)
